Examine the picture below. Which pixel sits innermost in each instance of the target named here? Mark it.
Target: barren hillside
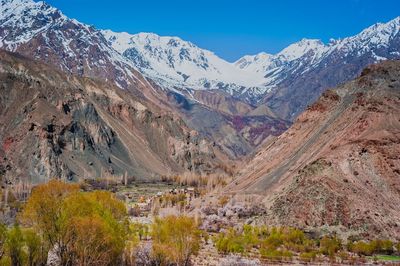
(339, 164)
(58, 125)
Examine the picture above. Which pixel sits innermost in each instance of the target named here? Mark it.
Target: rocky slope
(178, 74)
(338, 166)
(37, 30)
(60, 125)
(245, 102)
(234, 126)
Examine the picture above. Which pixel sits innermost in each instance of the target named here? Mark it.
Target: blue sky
(233, 28)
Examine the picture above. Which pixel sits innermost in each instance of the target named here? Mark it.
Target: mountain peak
(377, 34)
(20, 15)
(258, 59)
(15, 8)
(300, 48)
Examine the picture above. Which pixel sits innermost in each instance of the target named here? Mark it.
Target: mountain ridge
(80, 49)
(337, 166)
(256, 66)
(245, 103)
(54, 124)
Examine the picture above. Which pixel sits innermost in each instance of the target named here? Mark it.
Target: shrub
(382, 246)
(361, 248)
(230, 242)
(15, 244)
(274, 240)
(35, 248)
(175, 239)
(308, 256)
(139, 230)
(276, 254)
(3, 239)
(376, 246)
(397, 246)
(330, 245)
(237, 242)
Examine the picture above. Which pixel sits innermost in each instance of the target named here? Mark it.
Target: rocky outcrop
(40, 31)
(59, 125)
(337, 167)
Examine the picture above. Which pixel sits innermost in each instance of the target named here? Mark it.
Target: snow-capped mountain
(172, 61)
(377, 36)
(174, 74)
(180, 64)
(41, 31)
(300, 73)
(263, 62)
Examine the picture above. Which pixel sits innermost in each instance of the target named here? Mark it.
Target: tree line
(62, 225)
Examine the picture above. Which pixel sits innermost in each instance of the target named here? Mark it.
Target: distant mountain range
(262, 78)
(243, 102)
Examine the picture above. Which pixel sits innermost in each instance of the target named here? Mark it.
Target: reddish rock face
(59, 125)
(338, 166)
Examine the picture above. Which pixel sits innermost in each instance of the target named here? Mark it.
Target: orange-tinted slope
(339, 164)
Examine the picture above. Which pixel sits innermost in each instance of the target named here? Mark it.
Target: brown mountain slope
(339, 164)
(46, 35)
(53, 124)
(234, 126)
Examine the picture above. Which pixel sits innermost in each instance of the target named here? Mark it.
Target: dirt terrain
(338, 166)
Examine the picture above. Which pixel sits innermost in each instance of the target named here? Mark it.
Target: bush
(361, 248)
(35, 248)
(308, 256)
(276, 255)
(382, 247)
(330, 245)
(175, 239)
(373, 247)
(15, 244)
(237, 242)
(3, 239)
(397, 246)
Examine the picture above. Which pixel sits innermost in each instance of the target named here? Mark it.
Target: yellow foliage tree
(44, 211)
(83, 228)
(175, 239)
